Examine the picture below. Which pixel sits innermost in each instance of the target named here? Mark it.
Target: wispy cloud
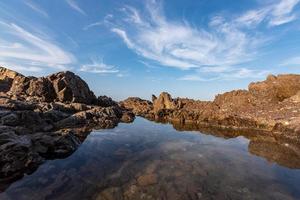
(229, 74)
(178, 44)
(26, 49)
(277, 13)
(99, 23)
(75, 6)
(282, 12)
(219, 48)
(92, 25)
(99, 67)
(36, 8)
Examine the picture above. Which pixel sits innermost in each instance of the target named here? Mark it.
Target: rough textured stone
(271, 105)
(71, 88)
(164, 101)
(48, 117)
(276, 88)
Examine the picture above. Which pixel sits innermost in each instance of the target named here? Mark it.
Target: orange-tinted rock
(276, 88)
(164, 101)
(271, 105)
(138, 106)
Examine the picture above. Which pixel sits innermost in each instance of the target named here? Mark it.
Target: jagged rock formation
(271, 105)
(64, 87)
(43, 117)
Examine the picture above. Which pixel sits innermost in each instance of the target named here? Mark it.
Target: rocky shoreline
(48, 117)
(271, 106)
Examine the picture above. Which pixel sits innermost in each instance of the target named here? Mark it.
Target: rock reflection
(145, 160)
(261, 143)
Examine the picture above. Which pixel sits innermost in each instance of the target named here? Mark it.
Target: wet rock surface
(42, 118)
(271, 105)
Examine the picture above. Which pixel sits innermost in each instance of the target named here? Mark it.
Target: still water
(147, 160)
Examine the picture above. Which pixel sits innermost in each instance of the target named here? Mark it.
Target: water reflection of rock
(45, 147)
(275, 149)
(153, 162)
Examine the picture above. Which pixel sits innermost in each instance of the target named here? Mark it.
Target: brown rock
(41, 88)
(276, 88)
(62, 86)
(164, 101)
(71, 88)
(148, 179)
(137, 105)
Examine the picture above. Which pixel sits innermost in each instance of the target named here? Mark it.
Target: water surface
(147, 160)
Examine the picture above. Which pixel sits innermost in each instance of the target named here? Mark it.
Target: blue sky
(190, 48)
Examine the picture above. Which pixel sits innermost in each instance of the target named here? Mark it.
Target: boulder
(71, 88)
(64, 87)
(137, 105)
(164, 101)
(276, 88)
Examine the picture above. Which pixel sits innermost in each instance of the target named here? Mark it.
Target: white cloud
(277, 13)
(253, 17)
(20, 47)
(75, 6)
(99, 68)
(216, 51)
(282, 12)
(92, 25)
(99, 23)
(177, 44)
(36, 8)
(229, 75)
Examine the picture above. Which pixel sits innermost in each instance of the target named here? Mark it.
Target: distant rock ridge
(48, 117)
(272, 105)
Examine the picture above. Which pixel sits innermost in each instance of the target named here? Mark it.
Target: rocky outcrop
(63, 87)
(272, 105)
(138, 106)
(164, 101)
(276, 88)
(71, 88)
(42, 118)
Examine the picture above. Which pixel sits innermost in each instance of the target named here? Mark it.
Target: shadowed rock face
(272, 105)
(71, 88)
(40, 118)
